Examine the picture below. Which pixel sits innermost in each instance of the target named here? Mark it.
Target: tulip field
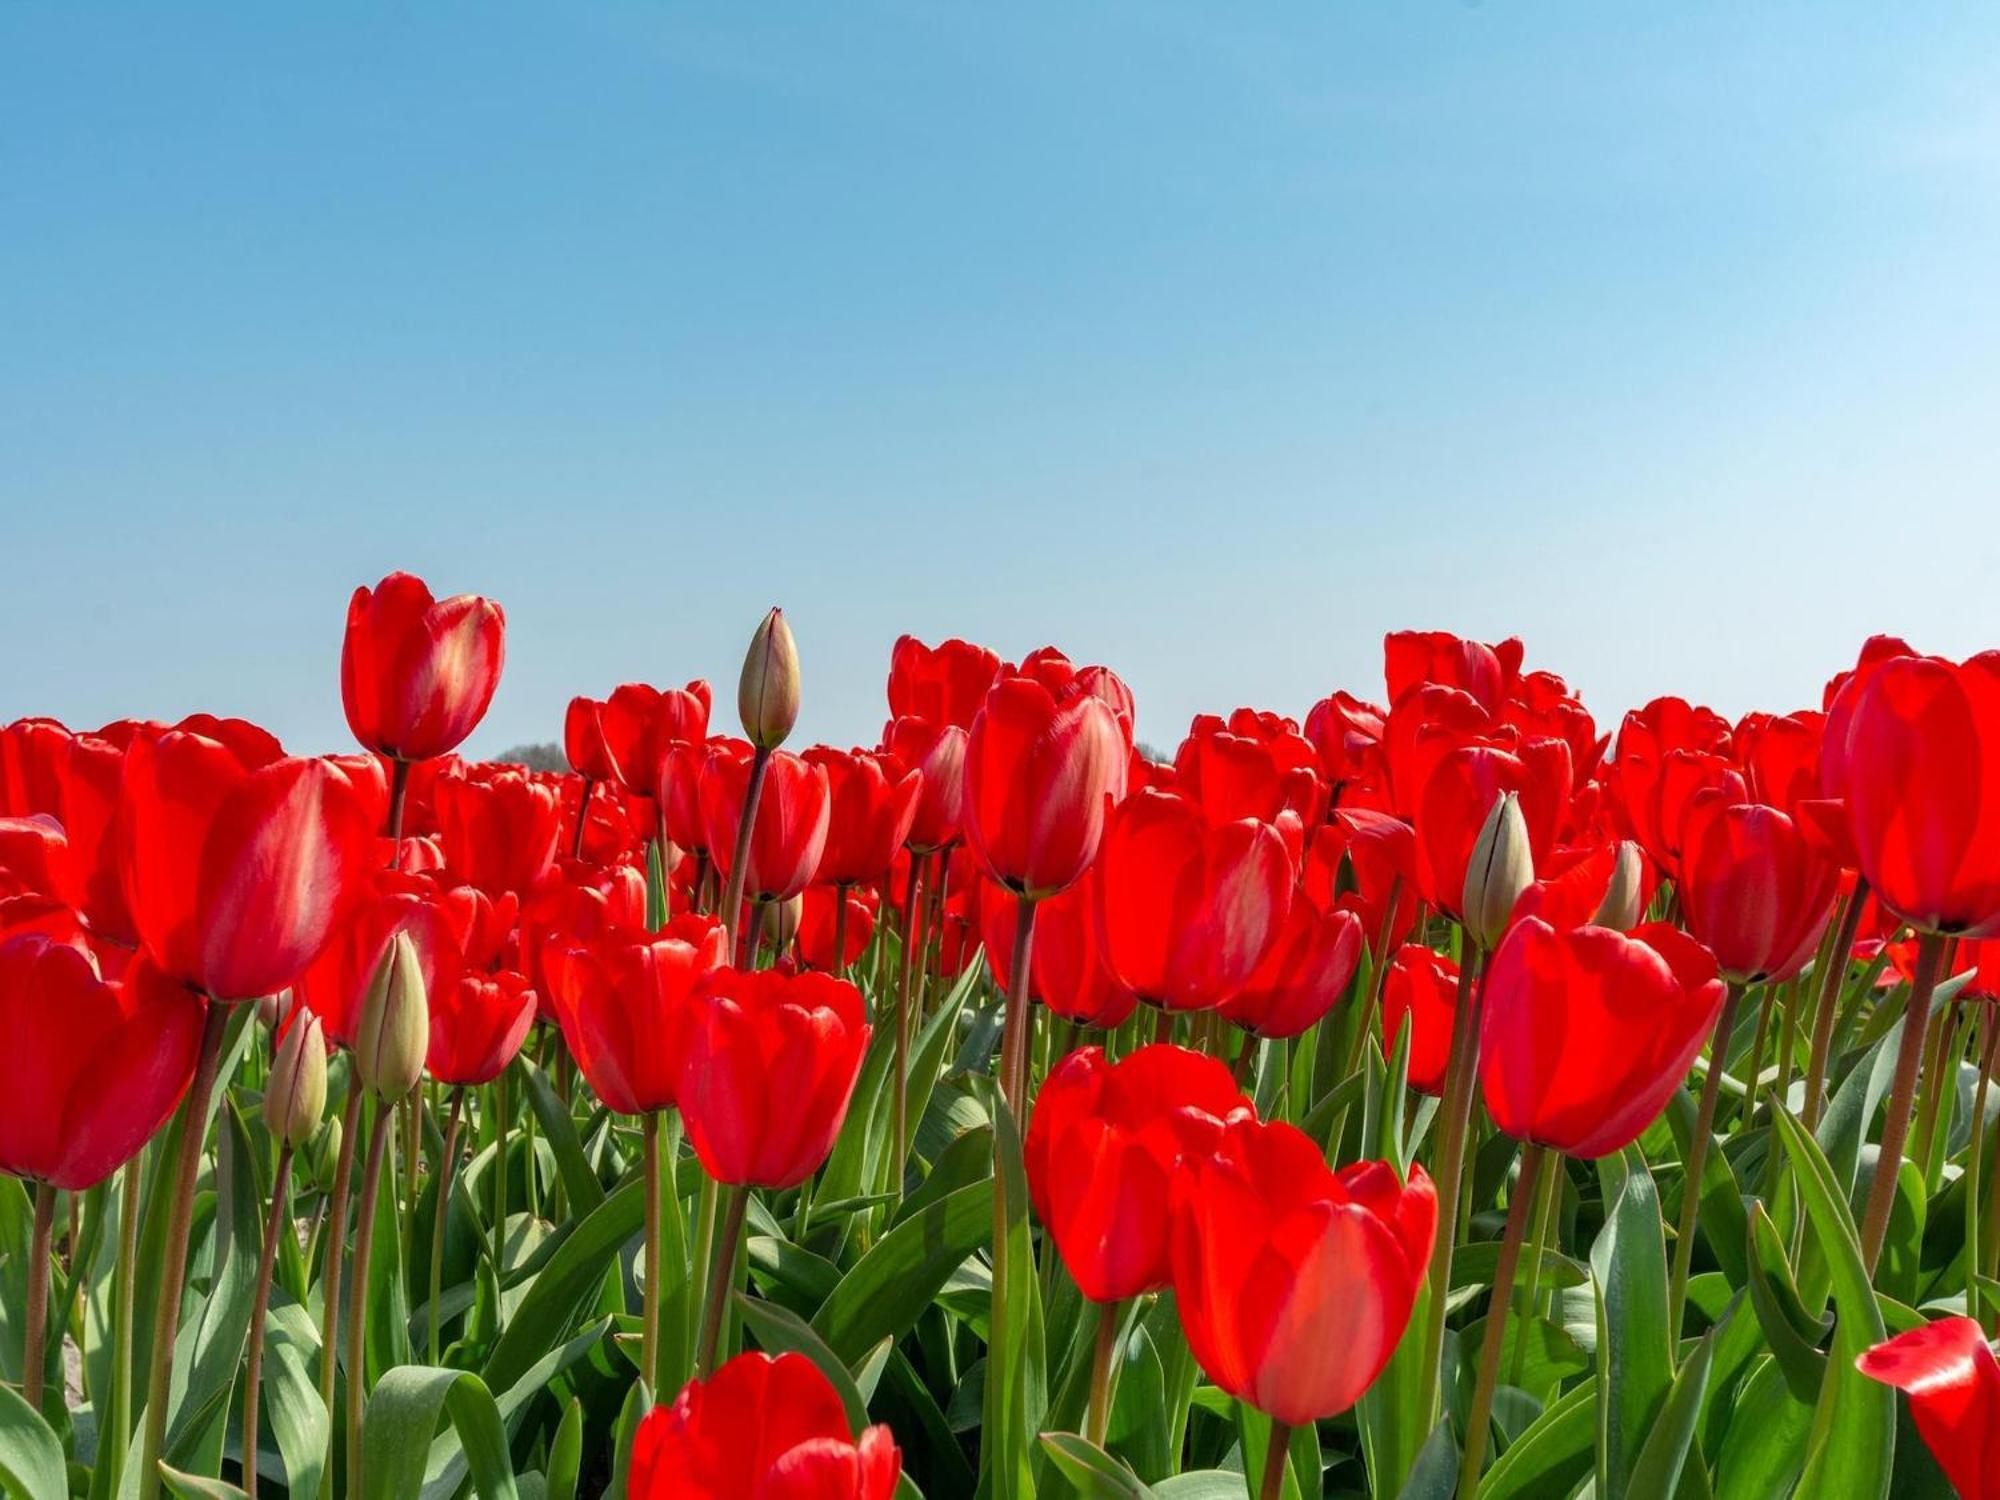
(1435, 1094)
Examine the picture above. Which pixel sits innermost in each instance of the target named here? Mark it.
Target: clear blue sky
(1206, 341)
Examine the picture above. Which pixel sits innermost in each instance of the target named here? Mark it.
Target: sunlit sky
(1205, 341)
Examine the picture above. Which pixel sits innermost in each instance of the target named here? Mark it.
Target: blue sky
(1205, 341)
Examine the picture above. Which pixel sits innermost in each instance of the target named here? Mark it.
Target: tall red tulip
(761, 1428)
(937, 753)
(1460, 791)
(336, 983)
(1754, 887)
(820, 923)
(1304, 973)
(498, 827)
(872, 804)
(584, 744)
(1586, 1033)
(1039, 771)
(945, 683)
(417, 674)
(1666, 752)
(90, 1068)
(1948, 1371)
(1421, 989)
(1295, 1282)
(1248, 768)
(239, 862)
(1489, 674)
(578, 903)
(788, 834)
(1188, 908)
(770, 1069)
(625, 1001)
(1103, 1145)
(477, 1026)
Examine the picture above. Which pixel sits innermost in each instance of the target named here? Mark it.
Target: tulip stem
(1902, 1092)
(1377, 978)
(399, 791)
(336, 1249)
(1546, 1194)
(1014, 1035)
(440, 1217)
(1461, 1078)
(913, 890)
(839, 965)
(1498, 1311)
(500, 1174)
(173, 1253)
(275, 1224)
(582, 820)
(732, 890)
(380, 1130)
(649, 1313)
(35, 1351)
(1975, 1178)
(1274, 1462)
(1697, 1160)
(1756, 1071)
(118, 1433)
(1103, 1372)
(1833, 968)
(1946, 1045)
(721, 1272)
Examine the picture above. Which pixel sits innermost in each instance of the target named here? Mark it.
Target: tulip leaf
(194, 1487)
(565, 1454)
(1201, 1484)
(1434, 1476)
(403, 1411)
(779, 1331)
(1552, 1455)
(225, 1309)
(1634, 1345)
(31, 1455)
(890, 1286)
(446, 1465)
(292, 1404)
(1721, 1215)
(551, 1306)
(579, 1182)
(1764, 1447)
(1793, 1333)
(1656, 1472)
(1015, 1395)
(1094, 1474)
(1854, 1425)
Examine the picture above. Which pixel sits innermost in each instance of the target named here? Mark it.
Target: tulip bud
(395, 1028)
(295, 1093)
(320, 1155)
(767, 698)
(1620, 906)
(1502, 866)
(781, 922)
(274, 1010)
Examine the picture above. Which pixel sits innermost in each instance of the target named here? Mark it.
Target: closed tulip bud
(781, 923)
(1501, 867)
(395, 1029)
(295, 1095)
(1620, 907)
(320, 1155)
(767, 699)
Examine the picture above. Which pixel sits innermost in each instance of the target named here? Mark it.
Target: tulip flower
(1249, 768)
(835, 925)
(1488, 674)
(1948, 1371)
(477, 1026)
(625, 1001)
(1666, 752)
(1295, 1282)
(872, 802)
(1421, 990)
(417, 674)
(944, 684)
(1346, 733)
(760, 1428)
(498, 827)
(1754, 887)
(1458, 796)
(335, 986)
(1067, 972)
(1605, 887)
(1188, 909)
(937, 753)
(789, 829)
(1780, 756)
(1304, 973)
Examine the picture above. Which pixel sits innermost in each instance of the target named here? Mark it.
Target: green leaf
(1792, 1333)
(31, 1456)
(1634, 1345)
(1764, 1448)
(580, 1184)
(1015, 1395)
(554, 1302)
(1721, 1216)
(1552, 1455)
(194, 1487)
(1094, 1474)
(1656, 1473)
(293, 1407)
(565, 1454)
(402, 1414)
(225, 1308)
(895, 1281)
(779, 1331)
(1434, 1476)
(1852, 1448)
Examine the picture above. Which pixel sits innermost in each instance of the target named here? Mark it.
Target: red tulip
(760, 1429)
(239, 862)
(873, 802)
(1103, 1145)
(1921, 757)
(1838, 701)
(1460, 791)
(818, 911)
(1294, 1282)
(679, 791)
(477, 1026)
(498, 827)
(584, 744)
(1347, 734)
(416, 675)
(579, 903)
(1039, 772)
(1359, 860)
(625, 738)
(937, 754)
(769, 1073)
(1188, 908)
(89, 1068)
(1489, 674)
(336, 983)
(1953, 1382)
(945, 684)
(1587, 1033)
(788, 835)
(1065, 681)
(1577, 884)
(1754, 887)
(1421, 988)
(1668, 751)
(1066, 966)
(625, 1001)
(1780, 757)
(1252, 767)
(1302, 976)
(31, 756)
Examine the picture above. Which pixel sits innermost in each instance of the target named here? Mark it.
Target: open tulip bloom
(1431, 1093)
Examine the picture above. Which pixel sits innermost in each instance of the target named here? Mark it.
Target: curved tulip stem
(1826, 1007)
(913, 890)
(1014, 1033)
(649, 1307)
(1697, 1160)
(1274, 1462)
(336, 1250)
(1902, 1095)
(275, 1223)
(582, 819)
(399, 791)
(173, 1253)
(732, 890)
(1461, 1080)
(440, 1217)
(1103, 1372)
(721, 1272)
(380, 1131)
(1497, 1312)
(34, 1353)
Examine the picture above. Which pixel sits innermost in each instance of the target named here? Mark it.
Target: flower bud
(395, 1029)
(320, 1155)
(1502, 866)
(295, 1093)
(767, 698)
(781, 922)
(1620, 906)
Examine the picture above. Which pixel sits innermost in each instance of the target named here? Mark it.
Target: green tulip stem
(1697, 1159)
(913, 891)
(1497, 1311)
(1461, 1082)
(35, 1336)
(1902, 1095)
(721, 1272)
(732, 890)
(276, 1223)
(1103, 1372)
(1833, 969)
(1274, 1463)
(440, 1217)
(381, 1129)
